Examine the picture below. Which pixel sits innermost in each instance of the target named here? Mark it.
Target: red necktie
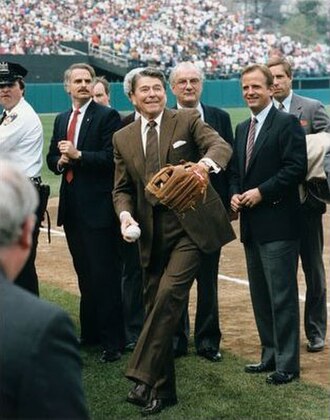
(70, 137)
(250, 142)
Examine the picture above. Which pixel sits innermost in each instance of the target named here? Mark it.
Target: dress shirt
(79, 121)
(261, 117)
(286, 103)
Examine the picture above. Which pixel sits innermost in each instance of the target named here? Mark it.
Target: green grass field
(205, 390)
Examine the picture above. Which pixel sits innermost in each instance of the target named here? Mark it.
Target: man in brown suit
(170, 244)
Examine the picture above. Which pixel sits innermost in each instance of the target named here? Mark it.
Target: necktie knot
(281, 106)
(152, 124)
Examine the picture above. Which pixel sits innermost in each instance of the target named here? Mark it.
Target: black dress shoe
(315, 344)
(110, 356)
(281, 378)
(259, 368)
(156, 405)
(130, 346)
(209, 354)
(139, 395)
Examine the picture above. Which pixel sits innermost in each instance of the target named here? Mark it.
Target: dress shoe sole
(136, 401)
(170, 402)
(315, 349)
(272, 381)
(258, 371)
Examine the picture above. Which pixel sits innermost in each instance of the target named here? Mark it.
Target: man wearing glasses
(186, 81)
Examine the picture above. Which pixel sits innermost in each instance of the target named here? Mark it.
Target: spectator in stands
(40, 366)
(313, 119)
(186, 80)
(222, 42)
(101, 92)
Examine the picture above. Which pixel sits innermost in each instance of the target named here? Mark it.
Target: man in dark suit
(313, 119)
(186, 81)
(170, 244)
(40, 366)
(269, 161)
(85, 159)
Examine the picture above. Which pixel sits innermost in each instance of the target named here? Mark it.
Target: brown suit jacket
(208, 225)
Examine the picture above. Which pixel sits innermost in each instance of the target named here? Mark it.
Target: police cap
(10, 72)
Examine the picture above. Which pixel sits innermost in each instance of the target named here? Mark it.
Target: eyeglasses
(182, 83)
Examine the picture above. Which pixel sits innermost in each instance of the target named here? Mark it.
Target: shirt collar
(286, 103)
(263, 114)
(144, 121)
(83, 108)
(198, 107)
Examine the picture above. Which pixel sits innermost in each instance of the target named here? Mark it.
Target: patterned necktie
(152, 154)
(3, 116)
(70, 137)
(250, 141)
(281, 107)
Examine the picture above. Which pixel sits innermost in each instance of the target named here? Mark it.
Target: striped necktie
(152, 153)
(250, 141)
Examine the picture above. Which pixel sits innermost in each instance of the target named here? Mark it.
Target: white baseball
(133, 232)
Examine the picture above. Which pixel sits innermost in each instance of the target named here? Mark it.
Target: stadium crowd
(162, 32)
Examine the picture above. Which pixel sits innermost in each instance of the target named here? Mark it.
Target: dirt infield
(237, 321)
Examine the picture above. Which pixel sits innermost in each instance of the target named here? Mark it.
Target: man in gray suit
(170, 244)
(313, 119)
(40, 367)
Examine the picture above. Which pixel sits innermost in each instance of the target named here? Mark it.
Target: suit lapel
(136, 147)
(166, 134)
(65, 124)
(242, 147)
(296, 107)
(262, 136)
(85, 124)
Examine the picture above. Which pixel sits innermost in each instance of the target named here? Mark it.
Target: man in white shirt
(21, 135)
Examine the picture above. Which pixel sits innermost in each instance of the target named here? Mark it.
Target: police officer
(21, 136)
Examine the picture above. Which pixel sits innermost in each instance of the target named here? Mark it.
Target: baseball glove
(179, 187)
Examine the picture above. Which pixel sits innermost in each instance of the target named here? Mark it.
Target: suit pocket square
(179, 143)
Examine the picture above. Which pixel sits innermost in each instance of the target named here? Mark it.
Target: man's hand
(250, 198)
(126, 220)
(67, 148)
(235, 203)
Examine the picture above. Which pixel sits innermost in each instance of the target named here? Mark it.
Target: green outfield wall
(51, 97)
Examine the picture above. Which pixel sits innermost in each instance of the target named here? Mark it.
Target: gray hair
(148, 72)
(183, 66)
(127, 83)
(82, 66)
(18, 201)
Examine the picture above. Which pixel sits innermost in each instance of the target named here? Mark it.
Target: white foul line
(246, 283)
(220, 276)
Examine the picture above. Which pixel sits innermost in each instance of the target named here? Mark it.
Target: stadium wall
(51, 97)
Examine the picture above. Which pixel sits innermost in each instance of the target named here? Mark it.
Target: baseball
(133, 232)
